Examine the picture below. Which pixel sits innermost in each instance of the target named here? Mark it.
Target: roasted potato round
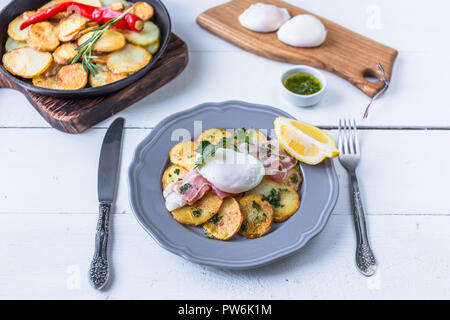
(200, 212)
(12, 44)
(172, 174)
(129, 59)
(42, 37)
(65, 53)
(71, 77)
(52, 70)
(293, 178)
(111, 40)
(149, 35)
(104, 76)
(45, 82)
(14, 30)
(69, 27)
(183, 154)
(214, 135)
(143, 10)
(284, 199)
(258, 216)
(27, 62)
(227, 222)
(153, 48)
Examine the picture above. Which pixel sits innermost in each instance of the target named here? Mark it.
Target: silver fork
(349, 157)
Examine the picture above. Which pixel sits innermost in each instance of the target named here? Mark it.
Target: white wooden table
(48, 198)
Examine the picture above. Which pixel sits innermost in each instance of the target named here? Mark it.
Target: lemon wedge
(303, 141)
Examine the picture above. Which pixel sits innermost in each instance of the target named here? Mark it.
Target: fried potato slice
(106, 3)
(153, 48)
(183, 154)
(146, 37)
(27, 62)
(101, 58)
(258, 216)
(65, 53)
(227, 222)
(42, 36)
(85, 30)
(129, 59)
(12, 44)
(200, 212)
(52, 70)
(95, 3)
(28, 14)
(143, 10)
(293, 178)
(71, 77)
(69, 27)
(45, 82)
(213, 135)
(116, 6)
(104, 76)
(111, 40)
(172, 174)
(283, 198)
(14, 31)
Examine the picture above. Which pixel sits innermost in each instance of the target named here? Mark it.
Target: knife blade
(108, 172)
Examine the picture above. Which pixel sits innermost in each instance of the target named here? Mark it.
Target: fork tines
(348, 137)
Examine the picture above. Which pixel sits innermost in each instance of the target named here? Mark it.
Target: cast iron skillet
(17, 7)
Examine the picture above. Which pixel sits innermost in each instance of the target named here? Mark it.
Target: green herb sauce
(302, 83)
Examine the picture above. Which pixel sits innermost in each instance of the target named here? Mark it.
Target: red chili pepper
(100, 15)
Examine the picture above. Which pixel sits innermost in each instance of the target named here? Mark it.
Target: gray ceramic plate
(319, 193)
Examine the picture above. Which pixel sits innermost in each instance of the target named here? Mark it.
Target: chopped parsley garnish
(244, 225)
(294, 178)
(215, 219)
(274, 197)
(256, 205)
(176, 171)
(184, 188)
(197, 213)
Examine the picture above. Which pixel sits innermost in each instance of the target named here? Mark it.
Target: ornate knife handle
(365, 260)
(99, 270)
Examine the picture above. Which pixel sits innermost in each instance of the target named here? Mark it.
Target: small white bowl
(303, 100)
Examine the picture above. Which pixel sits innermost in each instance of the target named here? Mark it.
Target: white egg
(232, 171)
(303, 31)
(263, 17)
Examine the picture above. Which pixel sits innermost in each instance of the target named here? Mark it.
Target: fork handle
(365, 260)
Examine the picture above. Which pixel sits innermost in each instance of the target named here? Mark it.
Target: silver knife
(108, 170)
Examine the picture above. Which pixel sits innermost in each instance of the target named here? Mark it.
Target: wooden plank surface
(345, 53)
(48, 189)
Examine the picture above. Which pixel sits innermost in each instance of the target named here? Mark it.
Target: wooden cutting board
(75, 116)
(344, 52)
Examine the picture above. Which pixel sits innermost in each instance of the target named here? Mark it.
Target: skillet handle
(6, 83)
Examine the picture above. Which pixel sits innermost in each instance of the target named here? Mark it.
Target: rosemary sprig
(85, 49)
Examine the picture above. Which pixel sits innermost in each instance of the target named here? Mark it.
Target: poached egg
(232, 171)
(261, 17)
(303, 30)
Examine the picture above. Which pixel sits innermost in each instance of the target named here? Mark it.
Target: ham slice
(187, 191)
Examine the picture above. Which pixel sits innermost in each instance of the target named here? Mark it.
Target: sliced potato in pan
(95, 3)
(52, 70)
(111, 40)
(14, 30)
(116, 6)
(68, 28)
(104, 76)
(65, 53)
(129, 59)
(106, 3)
(146, 37)
(12, 44)
(143, 10)
(42, 37)
(153, 48)
(28, 14)
(71, 77)
(45, 82)
(100, 57)
(227, 222)
(258, 216)
(200, 212)
(27, 62)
